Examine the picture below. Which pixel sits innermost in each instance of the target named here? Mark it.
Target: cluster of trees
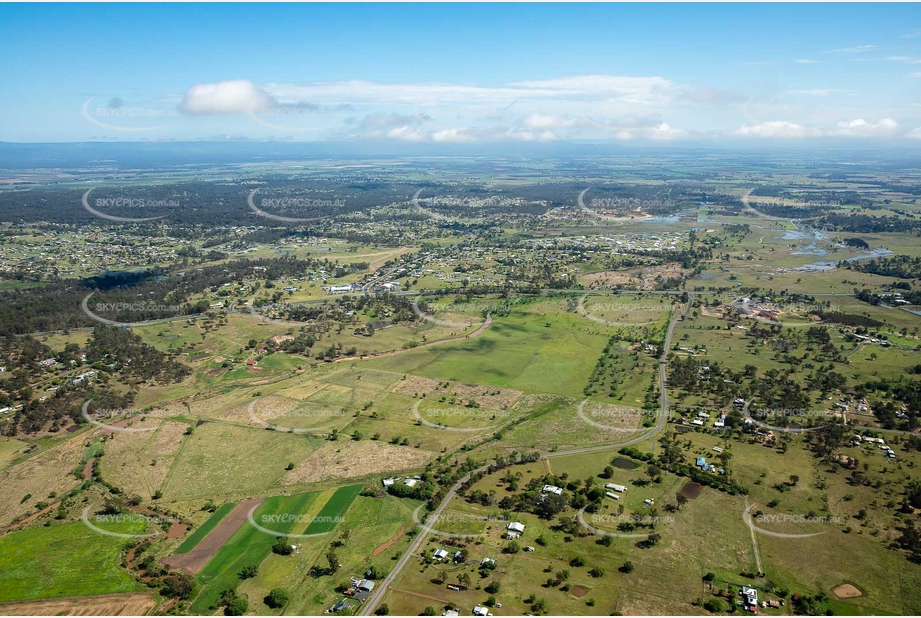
(901, 266)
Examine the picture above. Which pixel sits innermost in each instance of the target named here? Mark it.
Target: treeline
(869, 224)
(901, 266)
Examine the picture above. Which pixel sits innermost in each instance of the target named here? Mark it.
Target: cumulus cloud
(538, 120)
(232, 97)
(454, 135)
(776, 129)
(887, 127)
(407, 133)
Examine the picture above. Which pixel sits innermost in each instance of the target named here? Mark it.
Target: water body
(811, 250)
(823, 266)
(803, 235)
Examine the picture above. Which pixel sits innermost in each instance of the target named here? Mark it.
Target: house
(481, 610)
(367, 585)
(649, 502)
(611, 494)
(701, 463)
(697, 422)
(48, 362)
(441, 554)
(389, 482)
(717, 449)
(251, 362)
(516, 526)
(340, 606)
(410, 482)
(450, 612)
(750, 595)
(616, 487)
(488, 562)
(552, 489)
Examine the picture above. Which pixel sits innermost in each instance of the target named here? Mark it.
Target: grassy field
(249, 546)
(63, 561)
(537, 348)
(334, 510)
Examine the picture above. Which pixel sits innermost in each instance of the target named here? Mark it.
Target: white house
(516, 526)
(616, 487)
(552, 489)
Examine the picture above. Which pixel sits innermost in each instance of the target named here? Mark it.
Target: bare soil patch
(388, 543)
(195, 560)
(578, 591)
(643, 278)
(847, 591)
(690, 490)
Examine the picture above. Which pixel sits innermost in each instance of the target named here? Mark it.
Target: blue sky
(450, 73)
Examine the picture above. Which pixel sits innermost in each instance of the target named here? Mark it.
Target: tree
(713, 605)
(627, 567)
(249, 572)
(513, 547)
(608, 472)
(237, 607)
(428, 611)
(383, 610)
(277, 598)
(492, 587)
(578, 561)
(464, 580)
(282, 547)
(333, 560)
(179, 584)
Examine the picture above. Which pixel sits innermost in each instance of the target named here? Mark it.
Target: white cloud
(805, 61)
(859, 49)
(406, 133)
(821, 92)
(905, 59)
(916, 74)
(525, 135)
(538, 120)
(887, 127)
(914, 134)
(776, 129)
(912, 35)
(233, 97)
(457, 136)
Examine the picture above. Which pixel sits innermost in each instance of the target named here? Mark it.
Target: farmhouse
(516, 526)
(441, 554)
(616, 487)
(552, 489)
(481, 610)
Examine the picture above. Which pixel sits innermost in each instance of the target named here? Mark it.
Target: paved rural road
(371, 604)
